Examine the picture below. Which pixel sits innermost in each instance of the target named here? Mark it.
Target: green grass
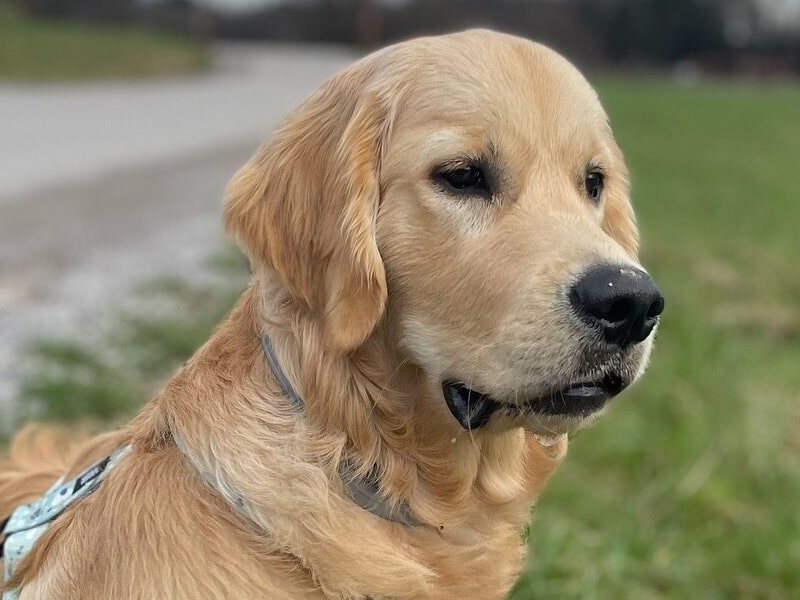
(42, 50)
(74, 380)
(690, 486)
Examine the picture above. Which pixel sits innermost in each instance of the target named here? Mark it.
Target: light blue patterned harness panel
(29, 521)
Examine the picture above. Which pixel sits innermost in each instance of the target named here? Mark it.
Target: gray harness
(365, 492)
(29, 521)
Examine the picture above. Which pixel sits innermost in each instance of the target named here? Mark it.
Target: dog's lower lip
(579, 399)
(609, 386)
(470, 408)
(473, 408)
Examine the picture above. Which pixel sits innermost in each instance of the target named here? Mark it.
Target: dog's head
(469, 189)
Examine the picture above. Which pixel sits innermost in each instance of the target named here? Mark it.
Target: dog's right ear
(305, 206)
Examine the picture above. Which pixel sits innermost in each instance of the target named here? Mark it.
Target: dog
(445, 284)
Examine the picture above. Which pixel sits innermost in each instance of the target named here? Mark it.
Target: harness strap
(3, 524)
(280, 376)
(29, 521)
(365, 492)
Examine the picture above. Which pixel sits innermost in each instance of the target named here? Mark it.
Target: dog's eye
(468, 180)
(594, 184)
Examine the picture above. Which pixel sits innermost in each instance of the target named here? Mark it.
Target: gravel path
(103, 185)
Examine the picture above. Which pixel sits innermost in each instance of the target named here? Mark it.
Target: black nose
(624, 303)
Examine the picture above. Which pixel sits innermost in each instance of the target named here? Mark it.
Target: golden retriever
(444, 264)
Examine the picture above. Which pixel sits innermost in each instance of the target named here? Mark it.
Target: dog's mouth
(472, 409)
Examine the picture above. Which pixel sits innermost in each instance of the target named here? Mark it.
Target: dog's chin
(554, 413)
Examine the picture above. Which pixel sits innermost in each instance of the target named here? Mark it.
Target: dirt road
(103, 185)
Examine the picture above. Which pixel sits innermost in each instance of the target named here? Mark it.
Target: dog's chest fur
(156, 531)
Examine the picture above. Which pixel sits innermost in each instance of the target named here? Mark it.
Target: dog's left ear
(305, 207)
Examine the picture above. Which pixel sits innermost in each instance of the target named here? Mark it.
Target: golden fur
(372, 286)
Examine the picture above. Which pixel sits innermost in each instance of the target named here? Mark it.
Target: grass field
(690, 486)
(41, 50)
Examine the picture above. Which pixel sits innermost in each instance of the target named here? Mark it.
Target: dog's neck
(370, 406)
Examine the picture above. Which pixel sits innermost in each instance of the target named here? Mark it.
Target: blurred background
(122, 120)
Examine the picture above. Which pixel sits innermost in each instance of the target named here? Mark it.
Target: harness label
(90, 474)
